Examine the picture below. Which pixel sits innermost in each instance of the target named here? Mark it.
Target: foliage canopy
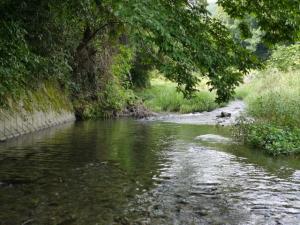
(74, 41)
(279, 19)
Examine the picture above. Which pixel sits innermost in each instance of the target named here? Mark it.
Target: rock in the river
(213, 138)
(224, 115)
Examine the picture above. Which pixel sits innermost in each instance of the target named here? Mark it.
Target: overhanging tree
(187, 40)
(279, 19)
(179, 36)
(183, 40)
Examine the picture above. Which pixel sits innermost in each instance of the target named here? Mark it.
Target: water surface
(143, 172)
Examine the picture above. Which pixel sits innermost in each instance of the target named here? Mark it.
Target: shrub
(111, 101)
(272, 139)
(21, 69)
(273, 98)
(122, 64)
(285, 58)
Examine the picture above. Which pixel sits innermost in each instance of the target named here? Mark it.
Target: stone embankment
(14, 124)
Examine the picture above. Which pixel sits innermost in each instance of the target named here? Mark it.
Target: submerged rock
(213, 138)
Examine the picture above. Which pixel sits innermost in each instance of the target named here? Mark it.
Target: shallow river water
(143, 172)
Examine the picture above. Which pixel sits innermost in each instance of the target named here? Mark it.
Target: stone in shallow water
(224, 115)
(213, 138)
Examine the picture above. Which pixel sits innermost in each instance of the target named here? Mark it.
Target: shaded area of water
(139, 172)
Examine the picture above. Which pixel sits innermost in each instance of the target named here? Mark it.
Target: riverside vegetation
(97, 51)
(273, 98)
(99, 54)
(162, 96)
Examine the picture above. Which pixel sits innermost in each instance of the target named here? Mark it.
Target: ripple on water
(127, 172)
(204, 186)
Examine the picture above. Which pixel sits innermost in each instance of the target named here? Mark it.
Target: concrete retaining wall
(14, 124)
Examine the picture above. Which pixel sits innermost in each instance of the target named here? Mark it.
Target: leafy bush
(15, 61)
(115, 94)
(110, 102)
(20, 68)
(122, 64)
(140, 71)
(285, 58)
(270, 138)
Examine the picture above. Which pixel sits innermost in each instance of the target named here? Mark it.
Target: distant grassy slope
(163, 97)
(273, 95)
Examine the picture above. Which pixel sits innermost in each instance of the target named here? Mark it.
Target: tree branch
(86, 40)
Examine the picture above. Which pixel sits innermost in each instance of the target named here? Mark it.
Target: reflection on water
(138, 172)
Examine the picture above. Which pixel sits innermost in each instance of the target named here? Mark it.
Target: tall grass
(273, 99)
(163, 97)
(274, 96)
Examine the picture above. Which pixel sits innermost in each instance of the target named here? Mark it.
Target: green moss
(47, 97)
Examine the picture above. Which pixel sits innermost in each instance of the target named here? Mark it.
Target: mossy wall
(35, 110)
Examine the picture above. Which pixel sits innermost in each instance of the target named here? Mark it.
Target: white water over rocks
(234, 108)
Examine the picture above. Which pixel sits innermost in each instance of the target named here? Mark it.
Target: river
(143, 172)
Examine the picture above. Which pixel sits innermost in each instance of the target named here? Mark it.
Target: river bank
(14, 124)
